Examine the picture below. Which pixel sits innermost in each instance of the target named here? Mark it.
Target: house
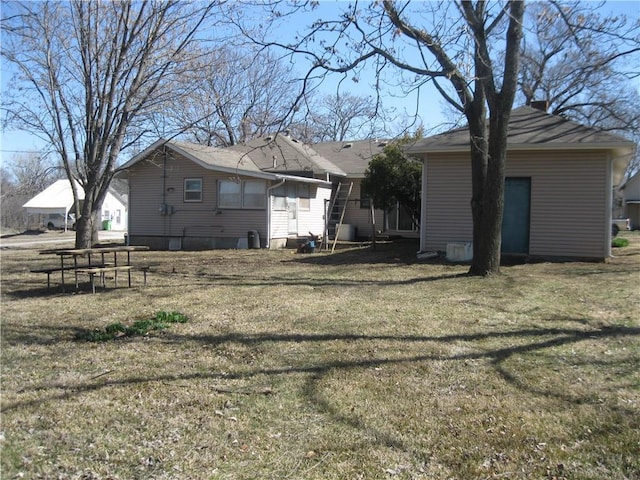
(189, 196)
(631, 201)
(354, 157)
(53, 205)
(559, 179)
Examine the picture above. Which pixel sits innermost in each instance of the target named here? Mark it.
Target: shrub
(619, 242)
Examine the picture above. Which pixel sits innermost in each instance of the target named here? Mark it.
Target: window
(242, 194)
(304, 195)
(254, 194)
(365, 200)
(280, 198)
(229, 195)
(192, 189)
(399, 219)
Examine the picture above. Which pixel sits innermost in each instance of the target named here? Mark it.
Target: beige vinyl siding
(569, 204)
(361, 217)
(162, 181)
(631, 193)
(568, 201)
(448, 210)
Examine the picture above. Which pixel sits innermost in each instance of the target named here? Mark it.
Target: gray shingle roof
(281, 153)
(529, 128)
(215, 156)
(352, 157)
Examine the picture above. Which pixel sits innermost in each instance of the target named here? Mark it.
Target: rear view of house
(188, 196)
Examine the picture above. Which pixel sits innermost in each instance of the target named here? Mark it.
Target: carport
(56, 199)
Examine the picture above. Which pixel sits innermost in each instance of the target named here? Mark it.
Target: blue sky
(430, 108)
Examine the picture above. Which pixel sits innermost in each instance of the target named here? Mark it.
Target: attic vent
(347, 145)
(382, 144)
(294, 140)
(268, 139)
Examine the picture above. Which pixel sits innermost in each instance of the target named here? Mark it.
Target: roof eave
(217, 168)
(294, 178)
(615, 146)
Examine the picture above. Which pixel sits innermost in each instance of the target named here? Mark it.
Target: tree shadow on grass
(529, 341)
(542, 339)
(177, 281)
(399, 251)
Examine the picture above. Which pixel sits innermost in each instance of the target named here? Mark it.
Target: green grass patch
(620, 242)
(112, 331)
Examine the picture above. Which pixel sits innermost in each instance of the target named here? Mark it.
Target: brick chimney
(542, 105)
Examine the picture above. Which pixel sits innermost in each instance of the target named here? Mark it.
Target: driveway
(34, 239)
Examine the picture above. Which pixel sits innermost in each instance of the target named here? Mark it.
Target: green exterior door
(517, 214)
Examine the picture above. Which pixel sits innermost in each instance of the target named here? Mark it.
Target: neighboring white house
(54, 204)
(631, 201)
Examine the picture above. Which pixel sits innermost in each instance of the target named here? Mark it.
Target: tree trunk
(488, 207)
(87, 226)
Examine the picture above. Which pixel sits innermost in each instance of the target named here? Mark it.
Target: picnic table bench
(50, 270)
(92, 268)
(102, 270)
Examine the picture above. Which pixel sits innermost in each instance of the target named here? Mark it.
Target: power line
(21, 151)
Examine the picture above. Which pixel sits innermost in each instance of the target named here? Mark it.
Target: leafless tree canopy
(21, 179)
(237, 94)
(585, 65)
(342, 116)
(88, 75)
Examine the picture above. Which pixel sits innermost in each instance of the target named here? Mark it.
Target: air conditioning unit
(460, 251)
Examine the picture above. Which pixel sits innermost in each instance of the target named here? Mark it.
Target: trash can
(106, 224)
(253, 239)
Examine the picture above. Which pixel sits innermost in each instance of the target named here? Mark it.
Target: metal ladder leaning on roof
(337, 209)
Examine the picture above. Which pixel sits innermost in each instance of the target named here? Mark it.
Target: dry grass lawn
(357, 365)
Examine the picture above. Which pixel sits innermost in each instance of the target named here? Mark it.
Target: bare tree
(468, 50)
(25, 176)
(583, 64)
(343, 116)
(236, 94)
(88, 76)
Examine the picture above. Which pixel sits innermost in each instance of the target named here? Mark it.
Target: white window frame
(304, 196)
(279, 198)
(190, 191)
(258, 199)
(241, 195)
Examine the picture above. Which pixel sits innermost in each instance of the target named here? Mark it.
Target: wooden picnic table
(91, 267)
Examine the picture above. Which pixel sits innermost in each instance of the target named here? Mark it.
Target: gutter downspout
(609, 206)
(423, 206)
(269, 207)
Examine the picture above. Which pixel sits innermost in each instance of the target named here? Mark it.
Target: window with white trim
(304, 196)
(193, 190)
(279, 198)
(254, 194)
(242, 194)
